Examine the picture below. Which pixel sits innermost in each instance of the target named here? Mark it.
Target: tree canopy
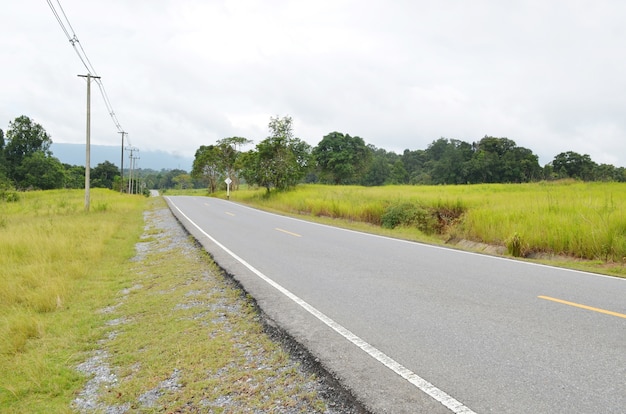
(26, 154)
(341, 159)
(280, 161)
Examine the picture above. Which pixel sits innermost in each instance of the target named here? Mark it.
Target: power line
(67, 28)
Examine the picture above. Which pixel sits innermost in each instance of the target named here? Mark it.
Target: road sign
(228, 181)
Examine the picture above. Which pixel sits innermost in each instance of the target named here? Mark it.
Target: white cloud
(400, 74)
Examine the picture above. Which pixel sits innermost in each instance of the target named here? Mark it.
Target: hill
(74, 154)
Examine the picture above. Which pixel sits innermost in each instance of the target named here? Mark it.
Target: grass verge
(58, 265)
(146, 323)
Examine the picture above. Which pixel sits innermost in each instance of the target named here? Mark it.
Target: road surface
(412, 328)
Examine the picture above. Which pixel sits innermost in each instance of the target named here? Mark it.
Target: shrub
(515, 246)
(410, 215)
(8, 193)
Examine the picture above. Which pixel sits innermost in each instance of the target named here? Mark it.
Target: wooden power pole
(122, 163)
(88, 144)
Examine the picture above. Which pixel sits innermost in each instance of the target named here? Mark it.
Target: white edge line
(423, 385)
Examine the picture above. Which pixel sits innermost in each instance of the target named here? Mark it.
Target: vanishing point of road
(413, 328)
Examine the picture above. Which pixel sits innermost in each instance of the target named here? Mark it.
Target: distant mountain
(74, 154)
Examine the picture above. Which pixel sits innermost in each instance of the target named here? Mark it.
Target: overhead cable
(67, 28)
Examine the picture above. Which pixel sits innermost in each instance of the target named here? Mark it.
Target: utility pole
(122, 163)
(130, 178)
(135, 158)
(88, 144)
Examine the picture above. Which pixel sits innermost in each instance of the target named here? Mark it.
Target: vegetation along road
(409, 327)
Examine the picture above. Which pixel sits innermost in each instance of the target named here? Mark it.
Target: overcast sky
(550, 75)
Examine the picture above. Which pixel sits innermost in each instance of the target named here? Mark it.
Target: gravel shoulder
(182, 337)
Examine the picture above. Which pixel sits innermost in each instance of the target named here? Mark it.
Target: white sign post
(228, 181)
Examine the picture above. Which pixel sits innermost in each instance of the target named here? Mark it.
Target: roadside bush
(515, 246)
(8, 193)
(447, 215)
(409, 215)
(429, 220)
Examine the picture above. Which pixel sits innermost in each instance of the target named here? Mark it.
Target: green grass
(565, 219)
(58, 265)
(69, 289)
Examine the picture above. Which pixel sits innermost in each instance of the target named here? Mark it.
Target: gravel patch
(163, 233)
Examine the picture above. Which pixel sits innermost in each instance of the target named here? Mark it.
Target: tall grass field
(58, 263)
(568, 219)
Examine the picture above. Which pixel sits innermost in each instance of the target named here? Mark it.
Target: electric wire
(67, 28)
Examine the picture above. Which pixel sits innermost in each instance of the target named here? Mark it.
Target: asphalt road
(412, 328)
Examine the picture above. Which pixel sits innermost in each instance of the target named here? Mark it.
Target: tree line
(26, 162)
(281, 161)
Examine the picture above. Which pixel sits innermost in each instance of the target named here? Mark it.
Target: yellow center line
(578, 305)
(230, 214)
(288, 232)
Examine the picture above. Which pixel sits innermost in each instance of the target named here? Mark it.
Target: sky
(549, 75)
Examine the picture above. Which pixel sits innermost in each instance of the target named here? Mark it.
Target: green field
(581, 225)
(58, 265)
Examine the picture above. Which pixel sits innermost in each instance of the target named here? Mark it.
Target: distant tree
(74, 176)
(208, 166)
(414, 164)
(605, 172)
(500, 160)
(447, 161)
(183, 181)
(379, 168)
(230, 151)
(24, 138)
(280, 161)
(166, 178)
(103, 175)
(399, 174)
(41, 172)
(341, 159)
(3, 163)
(573, 165)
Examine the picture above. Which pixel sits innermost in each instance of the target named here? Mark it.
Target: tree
(208, 166)
(230, 151)
(447, 161)
(24, 138)
(573, 165)
(3, 164)
(500, 160)
(103, 175)
(41, 172)
(341, 159)
(165, 179)
(74, 176)
(183, 181)
(414, 164)
(280, 161)
(379, 168)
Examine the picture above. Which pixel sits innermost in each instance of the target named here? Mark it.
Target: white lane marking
(423, 385)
